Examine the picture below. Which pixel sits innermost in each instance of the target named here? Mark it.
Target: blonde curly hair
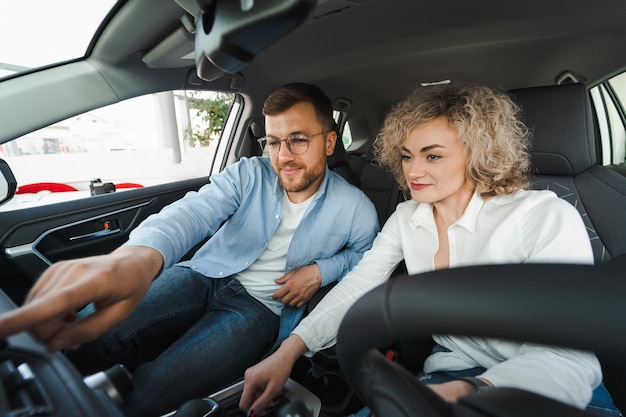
(487, 121)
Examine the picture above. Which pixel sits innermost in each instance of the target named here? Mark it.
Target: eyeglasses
(297, 143)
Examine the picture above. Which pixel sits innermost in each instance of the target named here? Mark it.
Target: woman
(461, 154)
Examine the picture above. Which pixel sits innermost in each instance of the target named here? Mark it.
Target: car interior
(559, 60)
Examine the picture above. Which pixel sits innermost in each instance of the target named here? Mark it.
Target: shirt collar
(423, 215)
(470, 217)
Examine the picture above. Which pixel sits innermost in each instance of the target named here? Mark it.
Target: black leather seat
(381, 187)
(565, 160)
(565, 155)
(338, 162)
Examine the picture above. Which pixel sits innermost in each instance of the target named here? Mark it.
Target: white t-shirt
(259, 278)
(527, 226)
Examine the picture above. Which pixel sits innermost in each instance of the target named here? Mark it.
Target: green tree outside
(212, 112)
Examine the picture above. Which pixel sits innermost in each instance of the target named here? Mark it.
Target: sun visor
(230, 33)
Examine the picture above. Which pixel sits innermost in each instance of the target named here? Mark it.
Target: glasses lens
(272, 145)
(298, 143)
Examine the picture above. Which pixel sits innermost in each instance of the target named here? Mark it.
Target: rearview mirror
(8, 184)
(229, 34)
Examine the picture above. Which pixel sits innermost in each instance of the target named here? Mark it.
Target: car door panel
(31, 239)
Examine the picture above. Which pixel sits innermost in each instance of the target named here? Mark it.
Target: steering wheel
(580, 306)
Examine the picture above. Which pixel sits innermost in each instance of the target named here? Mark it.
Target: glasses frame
(263, 141)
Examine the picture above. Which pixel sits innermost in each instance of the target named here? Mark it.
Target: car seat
(564, 152)
(381, 187)
(565, 160)
(338, 162)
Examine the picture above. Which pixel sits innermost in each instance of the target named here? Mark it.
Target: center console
(294, 400)
(35, 382)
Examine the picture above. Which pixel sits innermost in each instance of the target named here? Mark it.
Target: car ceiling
(372, 52)
(384, 48)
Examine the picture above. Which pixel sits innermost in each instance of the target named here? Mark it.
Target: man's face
(300, 174)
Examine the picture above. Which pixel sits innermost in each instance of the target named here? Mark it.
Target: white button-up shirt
(528, 226)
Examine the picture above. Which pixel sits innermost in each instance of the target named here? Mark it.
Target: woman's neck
(449, 210)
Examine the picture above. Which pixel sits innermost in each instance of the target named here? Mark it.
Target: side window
(144, 141)
(346, 135)
(608, 99)
(357, 131)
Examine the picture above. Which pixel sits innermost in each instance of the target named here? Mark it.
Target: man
(290, 227)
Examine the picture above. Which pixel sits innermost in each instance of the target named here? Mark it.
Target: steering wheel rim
(484, 301)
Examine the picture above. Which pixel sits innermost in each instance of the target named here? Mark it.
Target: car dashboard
(36, 382)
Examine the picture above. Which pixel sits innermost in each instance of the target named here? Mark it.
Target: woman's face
(434, 162)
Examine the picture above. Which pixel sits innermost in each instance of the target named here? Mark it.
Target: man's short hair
(291, 94)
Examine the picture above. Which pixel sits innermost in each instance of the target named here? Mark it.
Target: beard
(296, 185)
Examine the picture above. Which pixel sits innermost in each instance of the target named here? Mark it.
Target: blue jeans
(601, 403)
(189, 337)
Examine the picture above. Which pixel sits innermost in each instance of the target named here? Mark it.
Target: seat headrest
(563, 136)
(257, 130)
(339, 156)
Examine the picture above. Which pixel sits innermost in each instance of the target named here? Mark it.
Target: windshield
(39, 33)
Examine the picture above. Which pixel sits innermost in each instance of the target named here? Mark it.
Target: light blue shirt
(335, 231)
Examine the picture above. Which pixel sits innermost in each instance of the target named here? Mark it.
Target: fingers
(253, 388)
(89, 328)
(36, 313)
(115, 283)
(298, 286)
(289, 298)
(280, 293)
(51, 317)
(54, 324)
(264, 399)
(261, 386)
(250, 393)
(282, 279)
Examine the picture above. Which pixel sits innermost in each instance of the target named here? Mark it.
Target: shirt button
(277, 216)
(194, 267)
(221, 273)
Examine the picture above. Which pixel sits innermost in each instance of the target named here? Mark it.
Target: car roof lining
(541, 39)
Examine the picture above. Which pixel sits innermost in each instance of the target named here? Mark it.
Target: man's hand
(451, 391)
(265, 380)
(299, 285)
(115, 283)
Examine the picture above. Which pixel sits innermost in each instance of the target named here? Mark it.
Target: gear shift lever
(116, 382)
(199, 407)
(294, 409)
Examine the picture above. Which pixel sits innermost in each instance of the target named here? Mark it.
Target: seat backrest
(338, 161)
(381, 187)
(565, 160)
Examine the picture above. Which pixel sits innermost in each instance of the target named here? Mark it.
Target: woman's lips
(418, 187)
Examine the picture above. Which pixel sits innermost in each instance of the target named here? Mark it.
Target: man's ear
(331, 140)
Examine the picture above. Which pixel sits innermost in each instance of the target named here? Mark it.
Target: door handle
(108, 228)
